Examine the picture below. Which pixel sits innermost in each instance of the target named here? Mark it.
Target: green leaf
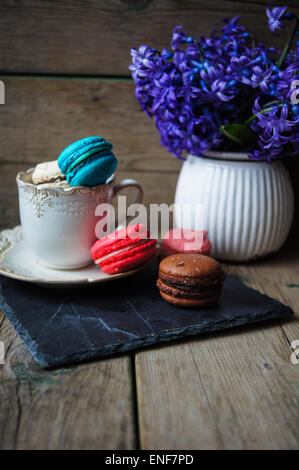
(238, 133)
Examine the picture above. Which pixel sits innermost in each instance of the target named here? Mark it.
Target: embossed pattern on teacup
(75, 207)
(39, 198)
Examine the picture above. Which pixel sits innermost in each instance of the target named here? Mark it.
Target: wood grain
(94, 37)
(279, 275)
(87, 406)
(234, 390)
(42, 116)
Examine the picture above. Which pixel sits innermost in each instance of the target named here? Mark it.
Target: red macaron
(124, 249)
(181, 240)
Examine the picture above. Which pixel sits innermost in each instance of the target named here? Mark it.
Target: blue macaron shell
(93, 172)
(88, 161)
(76, 149)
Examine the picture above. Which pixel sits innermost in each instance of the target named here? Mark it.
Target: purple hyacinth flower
(274, 17)
(222, 89)
(275, 127)
(203, 84)
(261, 78)
(178, 38)
(231, 26)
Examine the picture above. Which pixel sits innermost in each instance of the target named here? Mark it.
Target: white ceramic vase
(248, 206)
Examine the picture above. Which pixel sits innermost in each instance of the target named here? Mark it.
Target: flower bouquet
(223, 92)
(233, 101)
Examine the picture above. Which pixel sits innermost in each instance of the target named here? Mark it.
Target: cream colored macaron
(47, 172)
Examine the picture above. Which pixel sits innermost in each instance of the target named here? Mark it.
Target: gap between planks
(84, 406)
(64, 76)
(229, 390)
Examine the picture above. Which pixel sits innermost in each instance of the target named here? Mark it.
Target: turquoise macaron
(88, 162)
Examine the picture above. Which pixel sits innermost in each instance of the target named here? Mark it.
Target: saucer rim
(17, 232)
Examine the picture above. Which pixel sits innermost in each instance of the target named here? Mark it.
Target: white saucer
(18, 262)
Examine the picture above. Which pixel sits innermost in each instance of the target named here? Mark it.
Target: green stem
(288, 45)
(272, 103)
(202, 56)
(263, 111)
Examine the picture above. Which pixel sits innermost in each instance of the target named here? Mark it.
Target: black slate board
(62, 326)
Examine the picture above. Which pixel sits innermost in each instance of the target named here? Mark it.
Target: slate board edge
(142, 342)
(25, 336)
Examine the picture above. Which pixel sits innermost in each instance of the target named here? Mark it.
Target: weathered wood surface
(232, 390)
(88, 406)
(236, 390)
(95, 37)
(41, 116)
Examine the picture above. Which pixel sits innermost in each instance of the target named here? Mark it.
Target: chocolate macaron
(190, 280)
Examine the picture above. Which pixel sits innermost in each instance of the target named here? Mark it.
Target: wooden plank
(87, 406)
(95, 37)
(233, 390)
(158, 188)
(279, 276)
(42, 116)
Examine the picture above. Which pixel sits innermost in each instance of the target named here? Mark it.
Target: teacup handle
(129, 183)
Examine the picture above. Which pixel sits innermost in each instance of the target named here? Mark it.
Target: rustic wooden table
(65, 70)
(232, 390)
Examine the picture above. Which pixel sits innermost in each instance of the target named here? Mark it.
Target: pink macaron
(124, 249)
(180, 240)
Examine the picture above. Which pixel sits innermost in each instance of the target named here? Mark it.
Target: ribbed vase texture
(247, 206)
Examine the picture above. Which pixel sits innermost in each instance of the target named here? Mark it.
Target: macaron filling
(92, 172)
(123, 250)
(74, 150)
(83, 157)
(113, 253)
(190, 280)
(122, 238)
(190, 288)
(132, 251)
(80, 161)
(183, 294)
(88, 162)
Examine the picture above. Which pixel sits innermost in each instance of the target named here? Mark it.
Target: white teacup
(59, 223)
